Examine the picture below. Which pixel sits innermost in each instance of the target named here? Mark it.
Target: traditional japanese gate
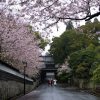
(49, 70)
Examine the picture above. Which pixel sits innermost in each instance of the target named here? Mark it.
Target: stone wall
(9, 89)
(86, 84)
(12, 82)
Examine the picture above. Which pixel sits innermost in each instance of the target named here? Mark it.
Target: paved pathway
(45, 92)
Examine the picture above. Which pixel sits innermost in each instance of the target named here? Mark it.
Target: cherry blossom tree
(17, 40)
(50, 12)
(18, 44)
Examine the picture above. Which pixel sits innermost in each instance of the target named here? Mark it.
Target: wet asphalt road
(45, 92)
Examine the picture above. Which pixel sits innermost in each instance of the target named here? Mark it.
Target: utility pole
(25, 65)
(0, 50)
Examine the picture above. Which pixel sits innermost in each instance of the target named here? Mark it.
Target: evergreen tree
(69, 25)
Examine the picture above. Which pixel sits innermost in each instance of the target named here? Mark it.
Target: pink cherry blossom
(18, 43)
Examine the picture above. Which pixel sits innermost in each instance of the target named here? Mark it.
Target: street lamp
(25, 65)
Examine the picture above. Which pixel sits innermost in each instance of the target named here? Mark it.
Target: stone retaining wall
(9, 89)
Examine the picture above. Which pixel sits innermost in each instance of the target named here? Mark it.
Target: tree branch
(92, 16)
(52, 24)
(86, 18)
